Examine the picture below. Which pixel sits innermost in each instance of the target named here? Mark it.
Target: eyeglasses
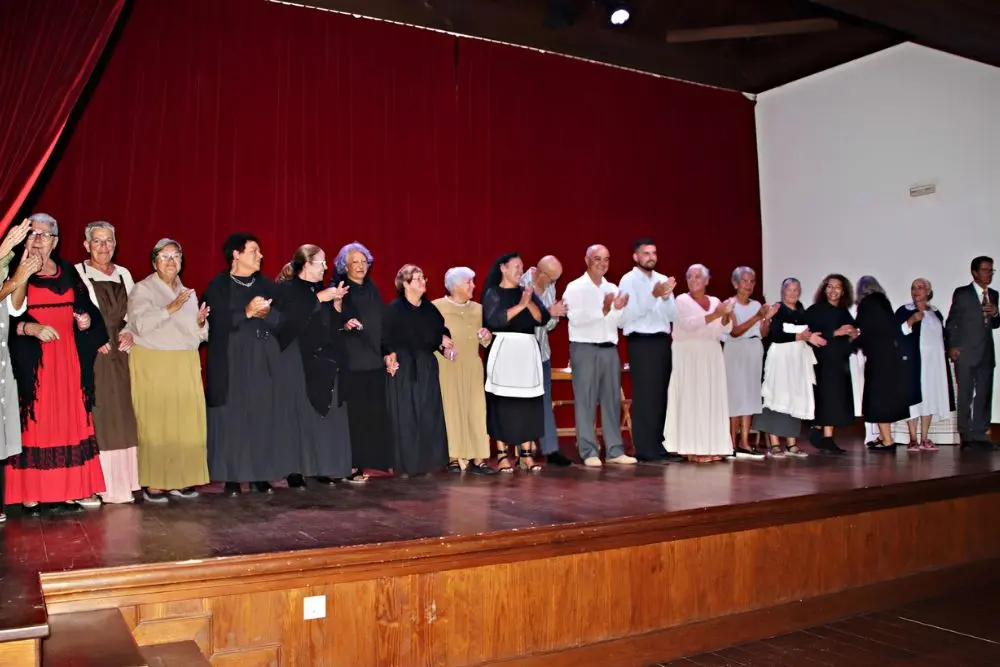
(167, 256)
(44, 235)
(318, 261)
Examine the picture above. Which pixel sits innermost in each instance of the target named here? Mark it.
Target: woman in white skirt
(744, 355)
(698, 400)
(927, 366)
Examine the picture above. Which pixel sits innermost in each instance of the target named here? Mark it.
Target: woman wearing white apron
(515, 410)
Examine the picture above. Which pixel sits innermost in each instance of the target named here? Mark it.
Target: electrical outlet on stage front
(314, 607)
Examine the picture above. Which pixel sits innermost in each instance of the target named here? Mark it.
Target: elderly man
(542, 279)
(646, 324)
(594, 308)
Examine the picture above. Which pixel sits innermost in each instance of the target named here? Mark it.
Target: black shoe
(296, 482)
(261, 487)
(480, 469)
(558, 459)
(326, 481)
(232, 489)
(150, 497)
(828, 445)
(673, 458)
(34, 510)
(63, 508)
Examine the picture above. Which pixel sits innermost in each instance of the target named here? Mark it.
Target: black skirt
(515, 420)
(368, 418)
(417, 414)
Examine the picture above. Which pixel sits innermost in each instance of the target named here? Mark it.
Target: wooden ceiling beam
(751, 30)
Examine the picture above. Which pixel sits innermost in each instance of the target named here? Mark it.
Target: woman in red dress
(52, 354)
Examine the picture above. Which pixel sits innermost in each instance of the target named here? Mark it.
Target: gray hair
(788, 282)
(88, 231)
(697, 267)
(456, 275)
(160, 245)
(45, 219)
(340, 264)
(739, 271)
(927, 286)
(866, 286)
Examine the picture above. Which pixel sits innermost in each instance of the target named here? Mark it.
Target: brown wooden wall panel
(21, 653)
(268, 656)
(474, 614)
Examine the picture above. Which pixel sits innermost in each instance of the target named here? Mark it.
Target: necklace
(460, 304)
(241, 283)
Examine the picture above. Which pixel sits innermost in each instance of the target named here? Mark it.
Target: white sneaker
(91, 503)
(592, 462)
(624, 460)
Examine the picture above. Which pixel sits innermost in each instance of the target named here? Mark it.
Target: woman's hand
(42, 332)
(104, 349)
(258, 307)
(203, 314)
(484, 335)
(353, 325)
(333, 293)
(816, 339)
(28, 267)
(558, 309)
(179, 301)
(15, 235)
(125, 341)
(391, 364)
(448, 348)
(844, 330)
(526, 296)
(82, 321)
(914, 318)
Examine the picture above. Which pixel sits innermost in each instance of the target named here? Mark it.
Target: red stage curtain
(304, 126)
(48, 49)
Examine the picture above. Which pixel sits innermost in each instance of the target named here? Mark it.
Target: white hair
(697, 267)
(45, 219)
(456, 275)
(88, 231)
(739, 271)
(340, 263)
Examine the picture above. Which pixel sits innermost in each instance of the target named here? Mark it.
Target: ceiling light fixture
(619, 13)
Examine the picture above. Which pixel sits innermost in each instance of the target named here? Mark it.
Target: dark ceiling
(745, 45)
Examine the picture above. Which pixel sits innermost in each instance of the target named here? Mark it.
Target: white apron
(514, 366)
(789, 376)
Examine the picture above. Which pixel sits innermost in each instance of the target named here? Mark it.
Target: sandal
(776, 452)
(795, 450)
(914, 446)
(454, 466)
(503, 461)
(356, 477)
(928, 446)
(525, 454)
(878, 445)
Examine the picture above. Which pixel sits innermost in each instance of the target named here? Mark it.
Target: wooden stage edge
(623, 592)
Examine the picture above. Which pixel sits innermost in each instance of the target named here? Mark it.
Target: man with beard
(646, 325)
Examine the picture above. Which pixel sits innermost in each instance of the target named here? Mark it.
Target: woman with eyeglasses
(53, 352)
(108, 285)
(313, 415)
(168, 397)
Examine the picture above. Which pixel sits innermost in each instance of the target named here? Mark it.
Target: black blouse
(786, 315)
(412, 330)
(824, 318)
(496, 302)
(362, 347)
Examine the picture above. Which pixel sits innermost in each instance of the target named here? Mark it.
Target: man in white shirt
(646, 324)
(594, 307)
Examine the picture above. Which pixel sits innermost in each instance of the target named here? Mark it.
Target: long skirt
(777, 424)
(368, 418)
(464, 406)
(698, 401)
(170, 416)
(417, 415)
(115, 426)
(323, 442)
(744, 367)
(515, 420)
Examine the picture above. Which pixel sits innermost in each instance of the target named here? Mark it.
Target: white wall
(838, 152)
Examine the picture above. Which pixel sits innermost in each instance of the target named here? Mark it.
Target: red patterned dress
(59, 457)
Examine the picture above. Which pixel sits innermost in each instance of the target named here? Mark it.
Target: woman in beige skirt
(167, 391)
(462, 392)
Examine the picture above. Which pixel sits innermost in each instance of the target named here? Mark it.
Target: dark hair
(495, 276)
(979, 261)
(846, 296)
(237, 243)
(645, 240)
(303, 255)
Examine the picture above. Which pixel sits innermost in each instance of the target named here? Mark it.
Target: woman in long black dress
(515, 409)
(413, 331)
(307, 375)
(886, 397)
(362, 371)
(244, 443)
(830, 318)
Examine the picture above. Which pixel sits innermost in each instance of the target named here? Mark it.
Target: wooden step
(177, 654)
(90, 639)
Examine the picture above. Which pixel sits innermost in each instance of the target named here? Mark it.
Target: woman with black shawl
(363, 376)
(315, 418)
(53, 349)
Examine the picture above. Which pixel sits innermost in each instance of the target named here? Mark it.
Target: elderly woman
(245, 441)
(53, 355)
(362, 372)
(744, 356)
(789, 373)
(114, 421)
(414, 330)
(10, 433)
(309, 336)
(167, 393)
(697, 399)
(927, 364)
(886, 396)
(830, 317)
(515, 389)
(462, 376)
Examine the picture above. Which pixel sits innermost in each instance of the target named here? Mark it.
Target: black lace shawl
(26, 351)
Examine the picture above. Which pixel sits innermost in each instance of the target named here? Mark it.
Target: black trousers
(650, 362)
(975, 399)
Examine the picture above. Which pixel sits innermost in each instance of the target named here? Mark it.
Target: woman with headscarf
(168, 396)
(245, 441)
(362, 372)
(931, 394)
(515, 408)
(53, 355)
(462, 377)
(830, 317)
(886, 396)
(413, 331)
(307, 375)
(109, 285)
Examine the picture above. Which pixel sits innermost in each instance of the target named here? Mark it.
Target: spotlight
(619, 13)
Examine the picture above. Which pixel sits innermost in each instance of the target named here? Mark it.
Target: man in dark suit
(971, 321)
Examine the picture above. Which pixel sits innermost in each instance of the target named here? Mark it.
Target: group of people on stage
(310, 378)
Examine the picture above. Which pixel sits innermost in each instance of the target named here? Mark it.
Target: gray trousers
(597, 379)
(550, 441)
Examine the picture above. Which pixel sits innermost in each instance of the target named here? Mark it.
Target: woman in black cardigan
(309, 336)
